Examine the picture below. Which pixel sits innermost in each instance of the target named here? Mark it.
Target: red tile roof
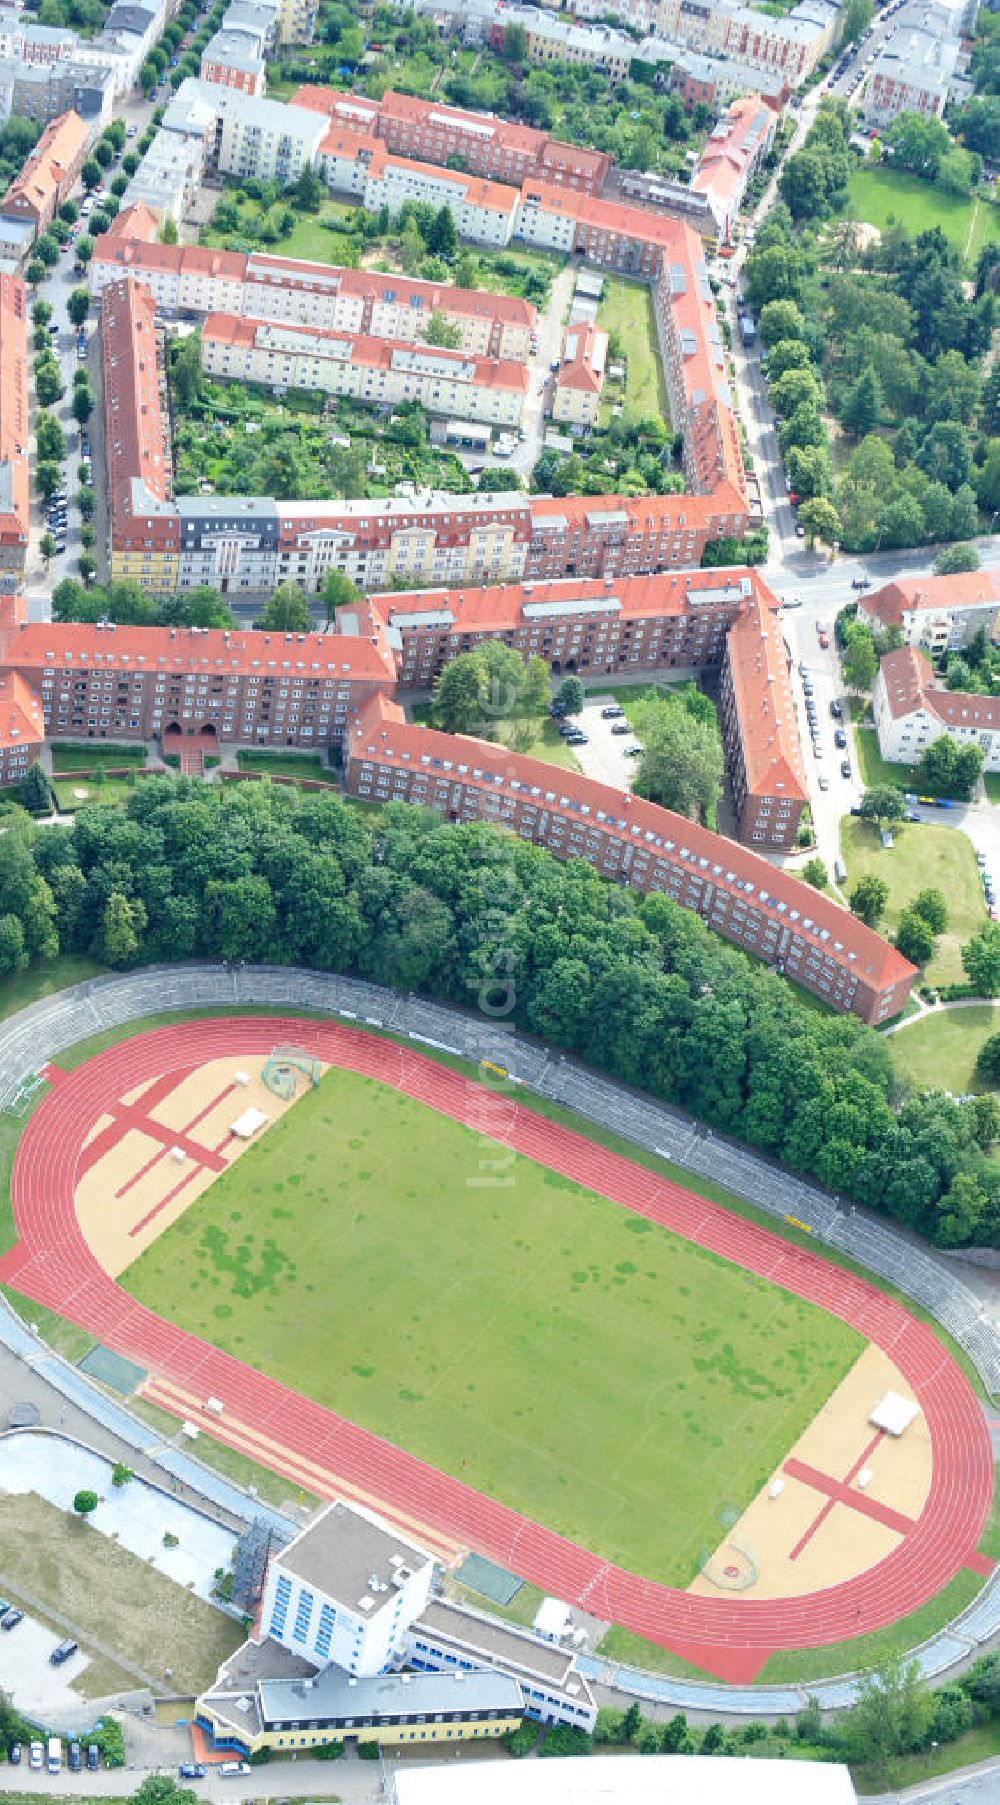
(51, 168)
(906, 595)
(500, 608)
(22, 721)
(584, 359)
(133, 252)
(48, 646)
(380, 732)
(369, 353)
(133, 421)
(15, 424)
(910, 684)
(765, 708)
(613, 217)
(134, 222)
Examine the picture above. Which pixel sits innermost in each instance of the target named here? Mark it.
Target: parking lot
(27, 1675)
(604, 756)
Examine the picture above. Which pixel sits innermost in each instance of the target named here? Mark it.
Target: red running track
(730, 1636)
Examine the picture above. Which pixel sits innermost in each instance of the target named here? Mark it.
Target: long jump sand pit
(132, 1182)
(844, 1497)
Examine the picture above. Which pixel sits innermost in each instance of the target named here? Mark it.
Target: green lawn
(73, 793)
(540, 739)
(86, 756)
(881, 196)
(922, 855)
(627, 312)
(288, 764)
(874, 768)
(614, 1381)
(793, 1665)
(941, 1049)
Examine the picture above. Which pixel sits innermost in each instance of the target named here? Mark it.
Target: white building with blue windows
(346, 1590)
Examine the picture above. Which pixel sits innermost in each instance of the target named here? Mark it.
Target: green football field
(550, 1348)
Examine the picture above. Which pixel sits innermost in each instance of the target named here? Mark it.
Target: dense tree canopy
(635, 985)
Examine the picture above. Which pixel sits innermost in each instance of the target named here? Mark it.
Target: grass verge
(942, 1048)
(793, 1666)
(922, 855)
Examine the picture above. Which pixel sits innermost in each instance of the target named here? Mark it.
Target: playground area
(146, 1160)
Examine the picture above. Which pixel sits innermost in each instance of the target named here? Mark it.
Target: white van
(54, 1761)
(228, 1770)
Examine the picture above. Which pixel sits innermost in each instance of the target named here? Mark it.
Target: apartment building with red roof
(627, 535)
(144, 527)
(197, 280)
(759, 729)
(22, 727)
(595, 627)
(431, 132)
(770, 914)
(15, 426)
(734, 151)
(48, 174)
(376, 371)
(580, 378)
(690, 621)
(134, 683)
(912, 708)
(938, 614)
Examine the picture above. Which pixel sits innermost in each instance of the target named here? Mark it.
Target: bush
(566, 1739)
(329, 1751)
(121, 1474)
(522, 1741)
(109, 1739)
(367, 1751)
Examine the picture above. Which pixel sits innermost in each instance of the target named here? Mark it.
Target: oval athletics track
(731, 1637)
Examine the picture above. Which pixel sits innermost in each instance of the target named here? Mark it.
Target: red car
(824, 640)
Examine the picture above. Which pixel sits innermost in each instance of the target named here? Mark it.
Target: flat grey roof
(446, 1622)
(341, 1551)
(334, 1693)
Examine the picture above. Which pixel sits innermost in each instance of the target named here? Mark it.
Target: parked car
(11, 1618)
(93, 1757)
(845, 767)
(36, 1755)
(14, 1754)
(62, 1651)
(621, 727)
(613, 713)
(824, 782)
(840, 738)
(74, 1758)
(633, 751)
(824, 640)
(837, 711)
(191, 1770)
